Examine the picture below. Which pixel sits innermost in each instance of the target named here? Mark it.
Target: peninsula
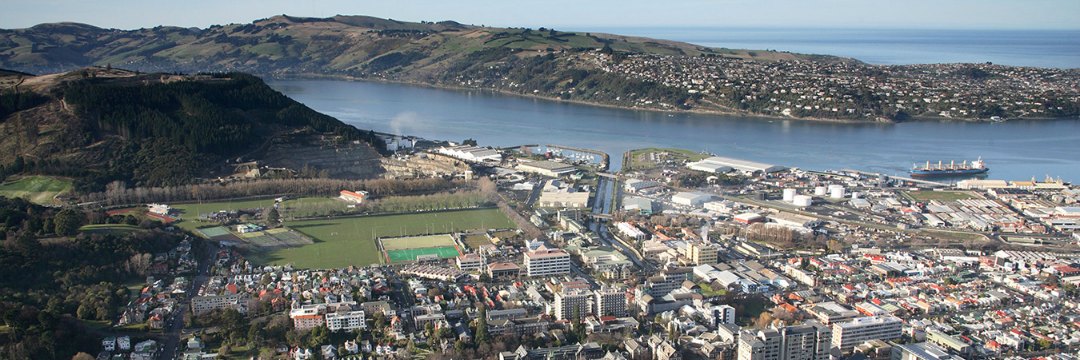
(593, 68)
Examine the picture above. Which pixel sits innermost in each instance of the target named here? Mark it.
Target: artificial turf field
(410, 255)
(342, 242)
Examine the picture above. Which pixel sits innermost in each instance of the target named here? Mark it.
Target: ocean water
(1041, 48)
(1014, 150)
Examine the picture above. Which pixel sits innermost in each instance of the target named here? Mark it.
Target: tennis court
(212, 232)
(409, 255)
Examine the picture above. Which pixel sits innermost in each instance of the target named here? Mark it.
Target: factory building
(547, 168)
(717, 164)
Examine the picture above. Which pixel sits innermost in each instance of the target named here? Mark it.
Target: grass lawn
(119, 229)
(300, 207)
(640, 159)
(943, 196)
(37, 189)
(475, 241)
(351, 241)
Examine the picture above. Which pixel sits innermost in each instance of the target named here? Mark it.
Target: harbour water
(1014, 150)
(1042, 48)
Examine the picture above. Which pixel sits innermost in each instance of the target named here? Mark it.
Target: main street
(174, 332)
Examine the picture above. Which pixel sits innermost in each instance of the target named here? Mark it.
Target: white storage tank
(820, 191)
(803, 200)
(789, 195)
(836, 191)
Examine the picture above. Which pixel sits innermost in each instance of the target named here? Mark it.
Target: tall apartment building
(610, 301)
(572, 304)
(810, 341)
(846, 335)
(547, 262)
(760, 345)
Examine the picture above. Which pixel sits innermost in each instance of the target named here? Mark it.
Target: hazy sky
(564, 14)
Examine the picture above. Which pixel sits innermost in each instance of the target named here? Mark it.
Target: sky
(568, 15)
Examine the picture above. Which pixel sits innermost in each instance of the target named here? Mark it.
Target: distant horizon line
(581, 27)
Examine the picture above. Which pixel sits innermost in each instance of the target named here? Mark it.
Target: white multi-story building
(846, 335)
(346, 320)
(470, 262)
(547, 262)
(204, 304)
(610, 301)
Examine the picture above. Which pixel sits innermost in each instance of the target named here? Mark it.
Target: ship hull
(947, 172)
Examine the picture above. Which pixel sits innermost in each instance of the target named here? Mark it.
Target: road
(174, 332)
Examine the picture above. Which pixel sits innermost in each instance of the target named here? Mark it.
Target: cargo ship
(941, 170)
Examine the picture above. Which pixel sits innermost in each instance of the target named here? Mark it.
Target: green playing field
(407, 255)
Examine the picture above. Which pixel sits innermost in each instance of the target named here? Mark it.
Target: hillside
(594, 68)
(99, 125)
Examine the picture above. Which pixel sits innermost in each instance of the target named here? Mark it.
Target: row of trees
(117, 193)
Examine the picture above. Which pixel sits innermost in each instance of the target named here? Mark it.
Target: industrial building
(471, 153)
(563, 199)
(691, 199)
(547, 168)
(640, 205)
(717, 164)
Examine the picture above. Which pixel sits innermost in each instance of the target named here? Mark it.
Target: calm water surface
(1042, 48)
(1014, 150)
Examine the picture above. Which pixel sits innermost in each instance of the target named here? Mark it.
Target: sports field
(410, 255)
(37, 189)
(407, 249)
(342, 242)
(415, 242)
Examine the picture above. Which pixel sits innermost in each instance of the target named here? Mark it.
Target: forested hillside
(102, 125)
(55, 281)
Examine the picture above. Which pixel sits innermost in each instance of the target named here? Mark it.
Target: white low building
(691, 199)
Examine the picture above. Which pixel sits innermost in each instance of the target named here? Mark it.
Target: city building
(470, 262)
(702, 253)
(503, 270)
(547, 262)
(846, 335)
(809, 341)
(572, 304)
(610, 301)
(760, 345)
(346, 320)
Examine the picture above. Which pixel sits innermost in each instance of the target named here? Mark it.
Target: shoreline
(735, 113)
